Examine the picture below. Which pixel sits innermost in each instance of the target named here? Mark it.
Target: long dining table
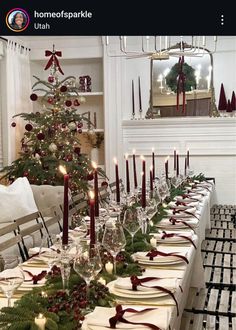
(168, 311)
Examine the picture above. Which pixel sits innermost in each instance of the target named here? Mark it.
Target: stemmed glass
(113, 238)
(87, 263)
(11, 276)
(131, 222)
(47, 254)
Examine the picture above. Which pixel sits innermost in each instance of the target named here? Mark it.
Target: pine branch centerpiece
(52, 136)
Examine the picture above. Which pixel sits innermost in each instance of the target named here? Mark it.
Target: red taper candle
(127, 173)
(117, 181)
(95, 171)
(153, 164)
(174, 159)
(134, 169)
(151, 178)
(177, 164)
(65, 206)
(92, 218)
(188, 158)
(143, 198)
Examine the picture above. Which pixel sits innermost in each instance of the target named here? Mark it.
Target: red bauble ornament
(80, 125)
(77, 150)
(79, 130)
(90, 176)
(13, 124)
(68, 103)
(76, 103)
(33, 97)
(104, 184)
(51, 79)
(37, 113)
(69, 158)
(63, 125)
(25, 173)
(28, 127)
(40, 136)
(63, 89)
(50, 100)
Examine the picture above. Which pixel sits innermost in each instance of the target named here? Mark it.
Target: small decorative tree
(51, 136)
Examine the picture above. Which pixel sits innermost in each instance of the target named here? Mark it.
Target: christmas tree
(52, 136)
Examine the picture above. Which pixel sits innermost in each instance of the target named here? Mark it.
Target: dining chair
(30, 227)
(52, 220)
(11, 241)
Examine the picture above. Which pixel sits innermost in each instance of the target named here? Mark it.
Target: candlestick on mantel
(153, 164)
(151, 178)
(174, 159)
(185, 166)
(89, 120)
(95, 171)
(140, 96)
(117, 181)
(92, 218)
(177, 164)
(166, 167)
(95, 120)
(187, 158)
(65, 206)
(40, 321)
(143, 197)
(134, 169)
(127, 173)
(133, 105)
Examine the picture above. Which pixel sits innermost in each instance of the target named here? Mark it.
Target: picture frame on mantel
(199, 98)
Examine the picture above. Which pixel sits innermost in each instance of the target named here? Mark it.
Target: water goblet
(113, 238)
(131, 222)
(87, 263)
(11, 276)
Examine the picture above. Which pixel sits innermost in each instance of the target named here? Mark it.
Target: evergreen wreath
(190, 80)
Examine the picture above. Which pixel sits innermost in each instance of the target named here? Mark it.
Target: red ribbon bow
(165, 235)
(184, 211)
(154, 253)
(52, 59)
(119, 317)
(181, 83)
(180, 203)
(139, 281)
(36, 278)
(188, 196)
(174, 221)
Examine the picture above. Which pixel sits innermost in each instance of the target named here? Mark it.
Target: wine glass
(113, 238)
(11, 276)
(47, 254)
(87, 263)
(131, 222)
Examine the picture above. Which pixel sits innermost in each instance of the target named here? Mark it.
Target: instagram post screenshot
(117, 166)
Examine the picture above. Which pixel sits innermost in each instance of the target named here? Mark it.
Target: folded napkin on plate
(156, 316)
(188, 197)
(182, 213)
(126, 284)
(175, 237)
(162, 255)
(175, 223)
(36, 249)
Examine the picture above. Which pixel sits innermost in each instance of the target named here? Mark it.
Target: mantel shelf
(179, 121)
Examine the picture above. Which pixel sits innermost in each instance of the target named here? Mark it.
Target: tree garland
(190, 80)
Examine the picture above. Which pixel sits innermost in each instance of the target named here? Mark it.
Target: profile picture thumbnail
(17, 19)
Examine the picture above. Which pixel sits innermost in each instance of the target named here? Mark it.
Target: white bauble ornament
(81, 99)
(52, 147)
(72, 126)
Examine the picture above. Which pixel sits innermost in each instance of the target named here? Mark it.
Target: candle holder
(65, 265)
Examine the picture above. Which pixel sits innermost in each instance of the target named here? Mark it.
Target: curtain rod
(15, 42)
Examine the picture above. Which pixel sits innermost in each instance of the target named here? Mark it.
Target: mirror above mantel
(192, 71)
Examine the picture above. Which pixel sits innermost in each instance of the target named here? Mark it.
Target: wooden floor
(215, 306)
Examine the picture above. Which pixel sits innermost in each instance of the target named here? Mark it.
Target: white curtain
(18, 90)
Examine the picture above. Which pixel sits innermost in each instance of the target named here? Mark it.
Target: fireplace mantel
(203, 135)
